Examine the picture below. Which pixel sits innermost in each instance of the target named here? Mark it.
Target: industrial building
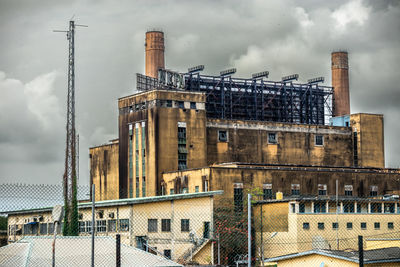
(188, 132)
(177, 227)
(306, 223)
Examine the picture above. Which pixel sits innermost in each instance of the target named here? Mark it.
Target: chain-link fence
(204, 228)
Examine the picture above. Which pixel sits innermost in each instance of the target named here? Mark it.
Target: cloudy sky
(284, 37)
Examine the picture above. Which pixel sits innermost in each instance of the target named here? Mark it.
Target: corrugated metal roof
(76, 251)
(127, 201)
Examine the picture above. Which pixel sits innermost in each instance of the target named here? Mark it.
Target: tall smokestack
(340, 83)
(154, 53)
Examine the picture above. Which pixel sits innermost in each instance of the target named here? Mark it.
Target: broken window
(222, 136)
(272, 138)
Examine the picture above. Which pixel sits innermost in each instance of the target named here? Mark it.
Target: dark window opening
(349, 225)
(152, 225)
(363, 225)
(167, 253)
(306, 226)
(222, 136)
(335, 226)
(193, 105)
(272, 138)
(319, 140)
(238, 199)
(321, 226)
(165, 225)
(377, 225)
(185, 225)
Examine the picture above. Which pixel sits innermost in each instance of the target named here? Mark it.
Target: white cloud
(351, 12)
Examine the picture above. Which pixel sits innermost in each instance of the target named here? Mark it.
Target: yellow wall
(104, 171)
(316, 260)
(381, 243)
(370, 131)
(198, 210)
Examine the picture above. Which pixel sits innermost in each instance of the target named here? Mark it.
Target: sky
(283, 37)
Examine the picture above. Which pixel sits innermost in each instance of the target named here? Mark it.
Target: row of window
(349, 225)
(350, 207)
(158, 103)
(121, 225)
(322, 190)
(272, 138)
(152, 225)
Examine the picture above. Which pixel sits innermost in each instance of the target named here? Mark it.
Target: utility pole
(70, 174)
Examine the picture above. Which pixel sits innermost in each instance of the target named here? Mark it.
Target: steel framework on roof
(256, 99)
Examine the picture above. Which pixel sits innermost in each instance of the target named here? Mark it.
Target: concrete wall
(104, 171)
(281, 177)
(248, 142)
(370, 139)
(162, 133)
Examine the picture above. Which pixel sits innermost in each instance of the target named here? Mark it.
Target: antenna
(70, 173)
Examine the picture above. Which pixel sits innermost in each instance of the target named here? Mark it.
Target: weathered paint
(104, 172)
(370, 133)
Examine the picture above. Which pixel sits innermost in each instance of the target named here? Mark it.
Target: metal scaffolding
(255, 99)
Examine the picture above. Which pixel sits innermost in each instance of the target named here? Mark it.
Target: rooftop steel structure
(251, 99)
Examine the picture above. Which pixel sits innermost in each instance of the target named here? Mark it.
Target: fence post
(249, 230)
(93, 222)
(360, 251)
(118, 253)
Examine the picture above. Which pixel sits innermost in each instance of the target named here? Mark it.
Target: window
(349, 225)
(335, 226)
(88, 226)
(322, 189)
(193, 105)
(82, 227)
(302, 208)
(51, 228)
(377, 226)
(184, 225)
(112, 225)
(355, 149)
(165, 225)
(319, 207)
(321, 226)
(390, 225)
(152, 225)
(182, 151)
(181, 104)
(143, 186)
(389, 207)
(306, 226)
(272, 138)
(101, 226)
(348, 207)
(348, 190)
(293, 207)
(171, 191)
(376, 208)
(167, 253)
(206, 233)
(238, 196)
(319, 140)
(196, 188)
(169, 103)
(222, 136)
(267, 191)
(124, 225)
(43, 229)
(296, 189)
(363, 225)
(373, 190)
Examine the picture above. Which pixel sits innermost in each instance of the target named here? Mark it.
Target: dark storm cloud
(283, 37)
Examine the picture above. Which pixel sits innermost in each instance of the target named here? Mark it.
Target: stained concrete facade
(308, 180)
(104, 172)
(163, 130)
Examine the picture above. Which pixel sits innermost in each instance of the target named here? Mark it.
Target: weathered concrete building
(192, 122)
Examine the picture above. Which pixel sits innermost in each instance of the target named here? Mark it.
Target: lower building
(386, 257)
(178, 226)
(237, 179)
(300, 224)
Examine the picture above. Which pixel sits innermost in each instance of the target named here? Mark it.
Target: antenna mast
(70, 173)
